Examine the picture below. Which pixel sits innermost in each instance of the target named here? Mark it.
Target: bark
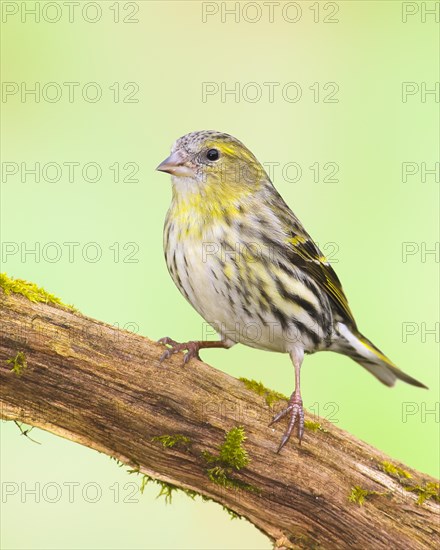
(105, 388)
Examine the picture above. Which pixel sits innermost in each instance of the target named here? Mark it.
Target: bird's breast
(241, 288)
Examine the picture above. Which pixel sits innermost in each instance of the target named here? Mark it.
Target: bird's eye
(212, 154)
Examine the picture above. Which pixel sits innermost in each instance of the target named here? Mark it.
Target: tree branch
(105, 388)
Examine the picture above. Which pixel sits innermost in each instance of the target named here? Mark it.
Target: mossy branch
(197, 429)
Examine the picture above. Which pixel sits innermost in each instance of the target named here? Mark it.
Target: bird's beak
(176, 165)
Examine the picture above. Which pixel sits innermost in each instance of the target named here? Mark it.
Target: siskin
(244, 261)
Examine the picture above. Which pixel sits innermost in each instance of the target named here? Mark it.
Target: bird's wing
(305, 254)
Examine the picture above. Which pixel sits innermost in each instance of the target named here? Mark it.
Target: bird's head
(209, 162)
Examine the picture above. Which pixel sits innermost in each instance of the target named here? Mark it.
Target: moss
(232, 453)
(30, 291)
(425, 492)
(118, 462)
(270, 396)
(359, 495)
(314, 426)
(169, 441)
(166, 489)
(231, 456)
(393, 470)
(19, 362)
(218, 475)
(231, 513)
(222, 476)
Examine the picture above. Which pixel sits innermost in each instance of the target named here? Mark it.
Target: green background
(362, 221)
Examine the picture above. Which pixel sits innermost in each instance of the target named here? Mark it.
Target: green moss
(19, 362)
(231, 513)
(118, 462)
(166, 489)
(359, 495)
(270, 396)
(218, 475)
(232, 456)
(313, 426)
(428, 491)
(30, 291)
(222, 476)
(169, 441)
(393, 470)
(232, 453)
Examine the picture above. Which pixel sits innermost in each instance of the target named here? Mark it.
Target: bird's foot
(296, 413)
(191, 348)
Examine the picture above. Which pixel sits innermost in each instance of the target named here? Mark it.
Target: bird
(244, 261)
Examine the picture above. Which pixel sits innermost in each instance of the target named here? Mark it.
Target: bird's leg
(192, 348)
(295, 407)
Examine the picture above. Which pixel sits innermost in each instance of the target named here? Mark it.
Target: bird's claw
(192, 349)
(296, 412)
(167, 341)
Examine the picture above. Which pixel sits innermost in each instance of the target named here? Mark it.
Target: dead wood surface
(105, 388)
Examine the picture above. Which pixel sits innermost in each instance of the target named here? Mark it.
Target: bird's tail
(364, 352)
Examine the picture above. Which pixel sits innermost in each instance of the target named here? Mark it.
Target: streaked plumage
(244, 261)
